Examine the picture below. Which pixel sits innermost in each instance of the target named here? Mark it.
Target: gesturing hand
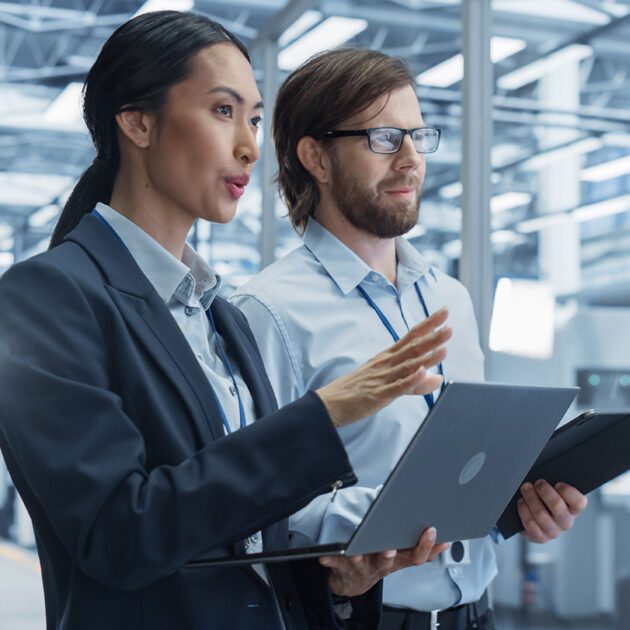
(399, 370)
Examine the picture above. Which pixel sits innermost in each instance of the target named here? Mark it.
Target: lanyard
(243, 420)
(430, 400)
(228, 367)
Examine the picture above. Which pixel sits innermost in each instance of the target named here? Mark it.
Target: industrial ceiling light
(509, 200)
(589, 212)
(66, 109)
(451, 71)
(305, 22)
(330, 33)
(6, 259)
(607, 170)
(551, 156)
(537, 69)
(606, 208)
(565, 10)
(44, 215)
(165, 5)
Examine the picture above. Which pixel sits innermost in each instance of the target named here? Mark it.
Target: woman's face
(203, 145)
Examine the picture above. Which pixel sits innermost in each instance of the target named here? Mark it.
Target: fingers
(437, 550)
(418, 382)
(383, 563)
(575, 500)
(423, 329)
(435, 320)
(425, 345)
(547, 510)
(423, 549)
(427, 384)
(532, 530)
(410, 376)
(339, 561)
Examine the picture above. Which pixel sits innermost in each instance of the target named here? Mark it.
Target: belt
(473, 616)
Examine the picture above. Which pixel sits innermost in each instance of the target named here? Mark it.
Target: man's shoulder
(448, 283)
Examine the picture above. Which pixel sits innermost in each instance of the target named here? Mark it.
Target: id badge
(457, 555)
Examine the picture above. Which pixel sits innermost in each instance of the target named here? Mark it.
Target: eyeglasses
(390, 139)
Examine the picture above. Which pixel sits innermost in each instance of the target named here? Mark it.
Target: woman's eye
(226, 110)
(257, 121)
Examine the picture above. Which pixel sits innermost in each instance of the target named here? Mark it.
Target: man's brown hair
(317, 97)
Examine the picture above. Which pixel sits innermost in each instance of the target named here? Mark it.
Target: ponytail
(95, 185)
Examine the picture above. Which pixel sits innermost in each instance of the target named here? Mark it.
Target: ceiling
(46, 47)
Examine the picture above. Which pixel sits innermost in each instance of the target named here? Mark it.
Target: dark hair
(134, 71)
(322, 93)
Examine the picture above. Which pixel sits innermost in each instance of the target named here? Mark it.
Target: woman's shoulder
(63, 266)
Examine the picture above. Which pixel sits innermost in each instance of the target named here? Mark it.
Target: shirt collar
(348, 270)
(172, 278)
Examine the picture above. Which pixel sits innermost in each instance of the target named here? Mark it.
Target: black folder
(587, 452)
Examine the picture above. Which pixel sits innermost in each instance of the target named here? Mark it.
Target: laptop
(457, 474)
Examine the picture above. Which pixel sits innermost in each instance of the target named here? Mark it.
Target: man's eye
(386, 138)
(226, 110)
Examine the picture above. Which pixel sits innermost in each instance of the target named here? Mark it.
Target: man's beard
(362, 208)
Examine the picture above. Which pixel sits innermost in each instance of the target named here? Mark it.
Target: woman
(127, 386)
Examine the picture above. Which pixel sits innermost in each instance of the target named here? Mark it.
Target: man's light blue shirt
(313, 325)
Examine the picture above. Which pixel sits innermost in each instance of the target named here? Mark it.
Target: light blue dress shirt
(313, 325)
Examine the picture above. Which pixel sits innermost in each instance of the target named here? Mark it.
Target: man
(350, 141)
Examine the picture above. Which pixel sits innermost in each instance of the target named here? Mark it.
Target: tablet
(586, 453)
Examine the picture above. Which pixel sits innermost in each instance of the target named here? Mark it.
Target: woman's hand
(399, 370)
(355, 575)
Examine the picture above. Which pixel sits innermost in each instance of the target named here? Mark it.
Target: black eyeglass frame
(345, 133)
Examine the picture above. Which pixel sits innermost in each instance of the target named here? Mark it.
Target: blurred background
(527, 201)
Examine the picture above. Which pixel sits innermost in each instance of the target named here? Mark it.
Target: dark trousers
(476, 616)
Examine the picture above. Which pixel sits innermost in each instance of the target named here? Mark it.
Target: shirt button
(189, 310)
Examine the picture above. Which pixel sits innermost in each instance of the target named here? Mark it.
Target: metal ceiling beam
(525, 56)
(20, 75)
(280, 21)
(40, 11)
(603, 114)
(85, 21)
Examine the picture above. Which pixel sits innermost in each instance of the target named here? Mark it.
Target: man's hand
(355, 575)
(546, 511)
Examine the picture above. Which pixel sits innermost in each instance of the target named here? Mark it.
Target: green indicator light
(624, 380)
(594, 380)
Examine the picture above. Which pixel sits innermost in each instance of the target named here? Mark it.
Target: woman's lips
(236, 185)
(235, 190)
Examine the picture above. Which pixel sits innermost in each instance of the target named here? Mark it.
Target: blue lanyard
(97, 215)
(228, 367)
(430, 400)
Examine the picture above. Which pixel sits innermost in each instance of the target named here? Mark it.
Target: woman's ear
(136, 127)
(314, 159)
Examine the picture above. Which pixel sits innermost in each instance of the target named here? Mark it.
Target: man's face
(379, 193)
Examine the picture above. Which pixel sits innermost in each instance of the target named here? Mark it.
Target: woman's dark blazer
(114, 440)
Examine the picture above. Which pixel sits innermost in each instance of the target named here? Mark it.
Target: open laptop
(457, 474)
